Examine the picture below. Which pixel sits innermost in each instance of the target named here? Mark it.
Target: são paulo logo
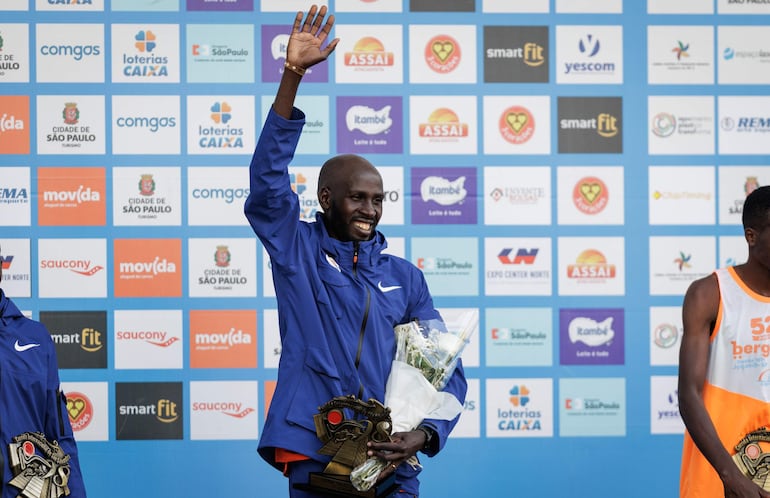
(69, 133)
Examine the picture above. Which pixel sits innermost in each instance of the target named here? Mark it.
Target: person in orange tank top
(720, 396)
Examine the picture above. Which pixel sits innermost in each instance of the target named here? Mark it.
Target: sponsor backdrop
(565, 168)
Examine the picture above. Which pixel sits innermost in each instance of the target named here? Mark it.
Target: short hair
(756, 208)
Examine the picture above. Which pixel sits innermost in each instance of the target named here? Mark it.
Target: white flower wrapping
(426, 356)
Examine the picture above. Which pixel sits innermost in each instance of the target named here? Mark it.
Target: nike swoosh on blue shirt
(388, 288)
(20, 348)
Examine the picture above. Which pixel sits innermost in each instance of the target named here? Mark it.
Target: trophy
(40, 467)
(752, 456)
(345, 424)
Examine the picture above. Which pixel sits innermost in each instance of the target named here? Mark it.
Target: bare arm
(699, 313)
(303, 51)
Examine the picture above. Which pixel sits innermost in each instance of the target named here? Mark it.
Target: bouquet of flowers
(426, 356)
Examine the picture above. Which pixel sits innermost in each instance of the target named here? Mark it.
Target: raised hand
(308, 36)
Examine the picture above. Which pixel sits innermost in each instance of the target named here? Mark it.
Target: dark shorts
(299, 473)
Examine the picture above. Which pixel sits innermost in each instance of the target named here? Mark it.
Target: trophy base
(340, 486)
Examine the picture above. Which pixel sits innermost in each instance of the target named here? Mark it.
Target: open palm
(307, 38)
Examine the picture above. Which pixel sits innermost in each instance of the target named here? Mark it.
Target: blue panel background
(638, 465)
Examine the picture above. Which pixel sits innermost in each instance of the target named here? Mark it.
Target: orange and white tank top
(737, 388)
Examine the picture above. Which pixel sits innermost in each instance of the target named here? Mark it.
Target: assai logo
(369, 54)
(443, 125)
(442, 54)
(443, 191)
(591, 264)
(590, 195)
(522, 256)
(520, 417)
(80, 410)
(368, 120)
(145, 64)
(664, 124)
(221, 134)
(516, 125)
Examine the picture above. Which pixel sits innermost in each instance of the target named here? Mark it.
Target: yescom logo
(14, 124)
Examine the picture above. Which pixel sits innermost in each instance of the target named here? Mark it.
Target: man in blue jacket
(339, 295)
(38, 450)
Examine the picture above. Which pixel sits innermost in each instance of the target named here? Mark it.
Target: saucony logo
(18, 347)
(387, 289)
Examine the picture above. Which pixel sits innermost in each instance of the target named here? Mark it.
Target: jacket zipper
(363, 322)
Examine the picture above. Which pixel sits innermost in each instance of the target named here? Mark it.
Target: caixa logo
(77, 52)
(153, 123)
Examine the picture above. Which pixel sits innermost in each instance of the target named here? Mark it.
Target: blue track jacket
(336, 318)
(30, 398)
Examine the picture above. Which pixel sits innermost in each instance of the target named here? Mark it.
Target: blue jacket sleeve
(272, 208)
